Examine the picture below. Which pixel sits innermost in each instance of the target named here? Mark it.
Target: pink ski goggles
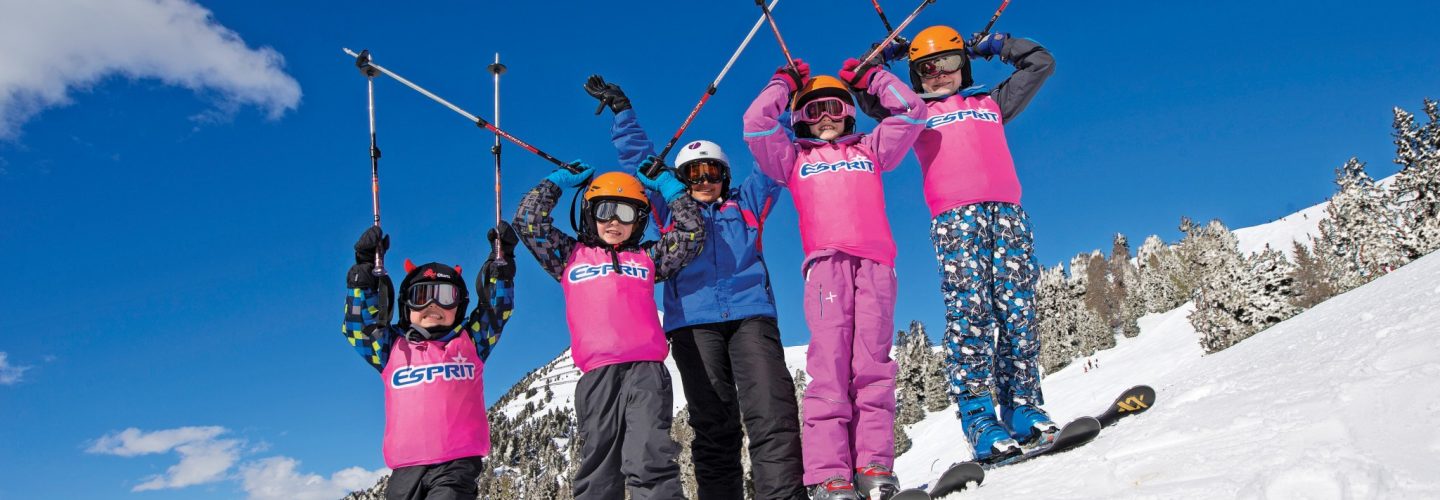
(834, 107)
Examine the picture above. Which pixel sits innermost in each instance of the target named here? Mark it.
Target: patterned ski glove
(501, 264)
(565, 178)
(984, 46)
(666, 184)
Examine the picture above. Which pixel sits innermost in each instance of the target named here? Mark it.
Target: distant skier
(720, 318)
(624, 399)
(982, 237)
(833, 175)
(431, 361)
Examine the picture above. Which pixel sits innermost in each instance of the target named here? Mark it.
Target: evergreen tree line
(1369, 230)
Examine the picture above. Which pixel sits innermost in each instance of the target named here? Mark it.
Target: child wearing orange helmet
(624, 398)
(833, 175)
(983, 239)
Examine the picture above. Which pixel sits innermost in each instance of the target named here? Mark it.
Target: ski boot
(876, 478)
(986, 435)
(835, 488)
(1029, 425)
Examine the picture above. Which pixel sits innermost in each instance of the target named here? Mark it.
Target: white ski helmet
(704, 150)
(701, 150)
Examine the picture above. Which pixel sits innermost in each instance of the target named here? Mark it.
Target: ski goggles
(445, 295)
(700, 171)
(943, 64)
(834, 107)
(608, 210)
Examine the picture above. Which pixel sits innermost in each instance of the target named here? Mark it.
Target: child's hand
(563, 177)
(666, 184)
(985, 46)
(796, 76)
(501, 265)
(609, 94)
(858, 77)
(373, 241)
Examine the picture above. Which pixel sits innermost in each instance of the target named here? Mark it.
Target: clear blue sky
(168, 270)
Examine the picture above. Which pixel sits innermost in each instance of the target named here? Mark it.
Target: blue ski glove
(565, 178)
(898, 50)
(984, 46)
(666, 184)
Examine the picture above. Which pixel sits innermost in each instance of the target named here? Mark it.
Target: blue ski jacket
(728, 280)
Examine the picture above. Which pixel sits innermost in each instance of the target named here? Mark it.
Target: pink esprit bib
(841, 202)
(963, 154)
(611, 312)
(434, 402)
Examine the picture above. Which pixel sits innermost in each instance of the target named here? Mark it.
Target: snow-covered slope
(1337, 402)
(1280, 234)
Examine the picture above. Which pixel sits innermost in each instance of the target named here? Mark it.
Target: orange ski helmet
(937, 40)
(817, 87)
(617, 185)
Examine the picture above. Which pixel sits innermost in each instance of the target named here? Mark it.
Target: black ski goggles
(943, 64)
(420, 295)
(608, 210)
(697, 172)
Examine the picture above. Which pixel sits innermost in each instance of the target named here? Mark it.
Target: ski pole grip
(653, 170)
(362, 62)
(574, 168)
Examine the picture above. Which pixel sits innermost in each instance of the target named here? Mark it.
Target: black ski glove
(608, 94)
(362, 274)
(501, 264)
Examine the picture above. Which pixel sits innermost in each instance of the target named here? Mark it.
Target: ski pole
(362, 62)
(778, 38)
(709, 91)
(880, 11)
(497, 69)
(990, 24)
(895, 32)
(481, 122)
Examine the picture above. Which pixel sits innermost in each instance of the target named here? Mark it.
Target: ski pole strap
(991, 24)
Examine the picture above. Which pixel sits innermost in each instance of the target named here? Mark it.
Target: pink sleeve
(769, 144)
(894, 135)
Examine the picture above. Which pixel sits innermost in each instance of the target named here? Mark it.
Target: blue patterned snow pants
(988, 275)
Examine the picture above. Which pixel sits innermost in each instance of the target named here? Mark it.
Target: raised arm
(895, 133)
(1033, 65)
(686, 236)
(773, 151)
(368, 304)
(535, 226)
(496, 286)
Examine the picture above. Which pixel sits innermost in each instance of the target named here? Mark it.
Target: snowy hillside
(1280, 234)
(1334, 403)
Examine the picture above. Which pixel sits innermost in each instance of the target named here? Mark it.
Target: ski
(911, 494)
(1073, 435)
(1134, 400)
(957, 478)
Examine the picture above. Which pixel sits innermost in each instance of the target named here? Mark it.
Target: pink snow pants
(849, 407)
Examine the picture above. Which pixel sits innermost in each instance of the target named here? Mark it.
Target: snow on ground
(1338, 402)
(1280, 234)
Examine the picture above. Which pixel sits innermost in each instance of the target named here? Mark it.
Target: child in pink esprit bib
(432, 362)
(624, 398)
(833, 174)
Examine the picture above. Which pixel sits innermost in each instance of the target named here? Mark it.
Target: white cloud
(206, 458)
(10, 374)
(56, 46)
(275, 478)
(203, 458)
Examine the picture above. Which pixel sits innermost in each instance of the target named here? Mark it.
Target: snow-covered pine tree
(1160, 277)
(1271, 288)
(1096, 284)
(1068, 328)
(909, 376)
(1311, 287)
(1417, 187)
(800, 382)
(1360, 236)
(683, 435)
(1089, 288)
(937, 378)
(1124, 278)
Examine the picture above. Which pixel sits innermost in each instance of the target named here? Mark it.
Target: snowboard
(958, 477)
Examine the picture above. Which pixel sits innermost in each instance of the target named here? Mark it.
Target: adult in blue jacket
(720, 318)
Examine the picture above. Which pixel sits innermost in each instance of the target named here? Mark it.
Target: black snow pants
(625, 412)
(729, 370)
(453, 480)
